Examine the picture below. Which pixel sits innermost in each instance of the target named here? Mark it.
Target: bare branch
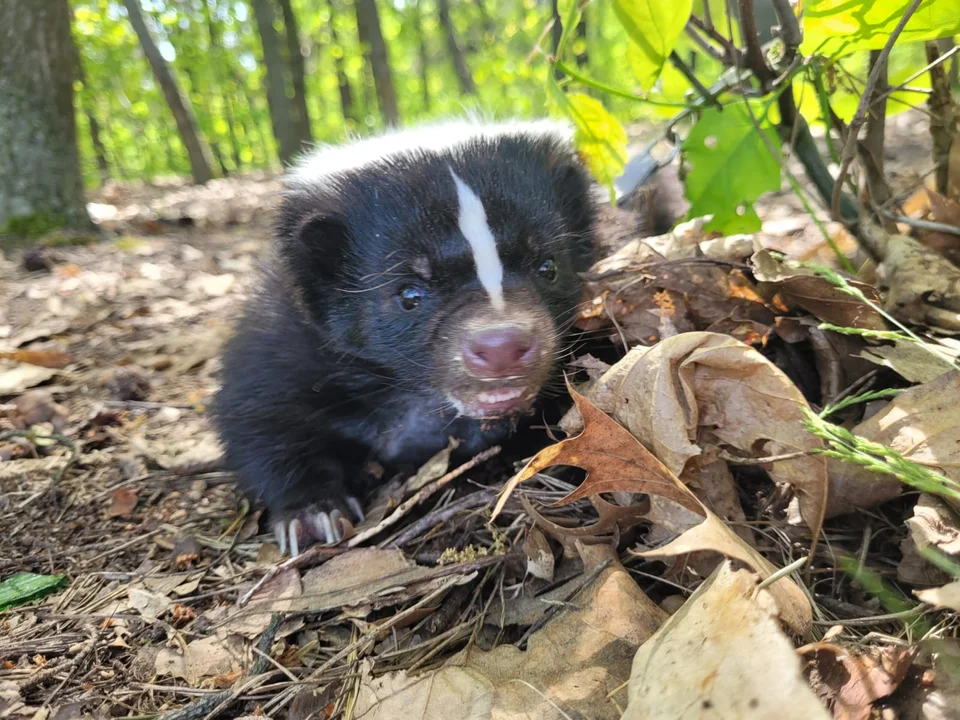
(708, 97)
(789, 29)
(871, 149)
(709, 49)
(850, 146)
(943, 120)
(755, 57)
(733, 52)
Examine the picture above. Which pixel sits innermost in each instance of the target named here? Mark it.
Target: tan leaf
(22, 377)
(540, 561)
(947, 597)
(279, 594)
(41, 358)
(923, 424)
(721, 655)
(122, 502)
(851, 680)
(151, 605)
(212, 656)
(910, 360)
(570, 665)
(616, 462)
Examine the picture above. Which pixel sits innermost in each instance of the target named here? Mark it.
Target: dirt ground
(111, 351)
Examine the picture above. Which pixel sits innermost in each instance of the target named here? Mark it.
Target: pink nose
(501, 352)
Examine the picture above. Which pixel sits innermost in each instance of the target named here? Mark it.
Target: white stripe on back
(473, 224)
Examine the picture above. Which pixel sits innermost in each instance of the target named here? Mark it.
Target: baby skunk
(421, 288)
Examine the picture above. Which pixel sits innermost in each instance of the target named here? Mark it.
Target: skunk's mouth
(494, 402)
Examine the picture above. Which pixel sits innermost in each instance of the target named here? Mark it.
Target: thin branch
(789, 29)
(905, 84)
(709, 49)
(751, 38)
(680, 65)
(871, 149)
(733, 52)
(943, 123)
(922, 224)
(850, 147)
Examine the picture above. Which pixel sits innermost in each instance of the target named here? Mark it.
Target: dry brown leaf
(797, 286)
(41, 358)
(21, 377)
(279, 594)
(570, 665)
(923, 424)
(122, 502)
(212, 656)
(947, 211)
(923, 286)
(151, 605)
(721, 655)
(910, 360)
(933, 526)
(947, 596)
(616, 462)
(665, 394)
(540, 560)
(365, 579)
(850, 681)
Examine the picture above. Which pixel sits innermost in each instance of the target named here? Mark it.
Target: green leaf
(654, 26)
(730, 166)
(600, 138)
(24, 587)
(840, 27)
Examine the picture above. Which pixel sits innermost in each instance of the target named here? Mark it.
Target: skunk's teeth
(498, 396)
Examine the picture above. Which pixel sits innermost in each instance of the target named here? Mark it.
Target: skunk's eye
(548, 271)
(410, 296)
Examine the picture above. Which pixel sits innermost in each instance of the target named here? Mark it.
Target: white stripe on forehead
(473, 224)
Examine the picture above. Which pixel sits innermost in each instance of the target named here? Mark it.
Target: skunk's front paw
(323, 522)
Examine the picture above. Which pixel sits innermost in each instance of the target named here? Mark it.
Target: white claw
(294, 541)
(280, 532)
(357, 508)
(335, 517)
(323, 520)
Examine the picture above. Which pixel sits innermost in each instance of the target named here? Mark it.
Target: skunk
(421, 287)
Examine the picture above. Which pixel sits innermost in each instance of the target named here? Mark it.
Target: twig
(789, 30)
(422, 495)
(942, 120)
(473, 500)
(554, 609)
(724, 455)
(680, 65)
(733, 52)
(694, 34)
(871, 149)
(212, 703)
(904, 85)
(850, 146)
(922, 224)
(755, 57)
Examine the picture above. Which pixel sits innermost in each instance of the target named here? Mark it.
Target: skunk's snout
(501, 352)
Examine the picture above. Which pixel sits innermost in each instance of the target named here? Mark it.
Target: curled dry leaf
(23, 376)
(933, 526)
(947, 596)
(850, 681)
(540, 561)
(922, 424)
(911, 360)
(924, 287)
(793, 286)
(615, 461)
(721, 655)
(666, 395)
(570, 665)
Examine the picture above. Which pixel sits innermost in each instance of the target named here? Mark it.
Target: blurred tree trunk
(375, 47)
(423, 57)
(556, 32)
(193, 141)
(42, 185)
(339, 64)
(99, 151)
(467, 86)
(583, 57)
(298, 75)
(216, 49)
(281, 113)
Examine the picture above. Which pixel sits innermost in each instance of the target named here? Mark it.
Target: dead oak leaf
(616, 462)
(122, 502)
(721, 655)
(852, 681)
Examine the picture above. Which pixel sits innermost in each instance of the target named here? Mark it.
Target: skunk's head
(447, 256)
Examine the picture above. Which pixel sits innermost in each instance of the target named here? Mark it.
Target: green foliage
(840, 27)
(24, 587)
(30, 226)
(730, 166)
(601, 139)
(654, 27)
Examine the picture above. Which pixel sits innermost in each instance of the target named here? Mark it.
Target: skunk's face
(455, 272)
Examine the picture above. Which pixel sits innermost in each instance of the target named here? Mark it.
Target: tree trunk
(343, 80)
(190, 135)
(371, 37)
(281, 113)
(216, 49)
(423, 57)
(298, 74)
(41, 185)
(99, 151)
(467, 86)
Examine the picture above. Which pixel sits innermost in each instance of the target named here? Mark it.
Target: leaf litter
(708, 518)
